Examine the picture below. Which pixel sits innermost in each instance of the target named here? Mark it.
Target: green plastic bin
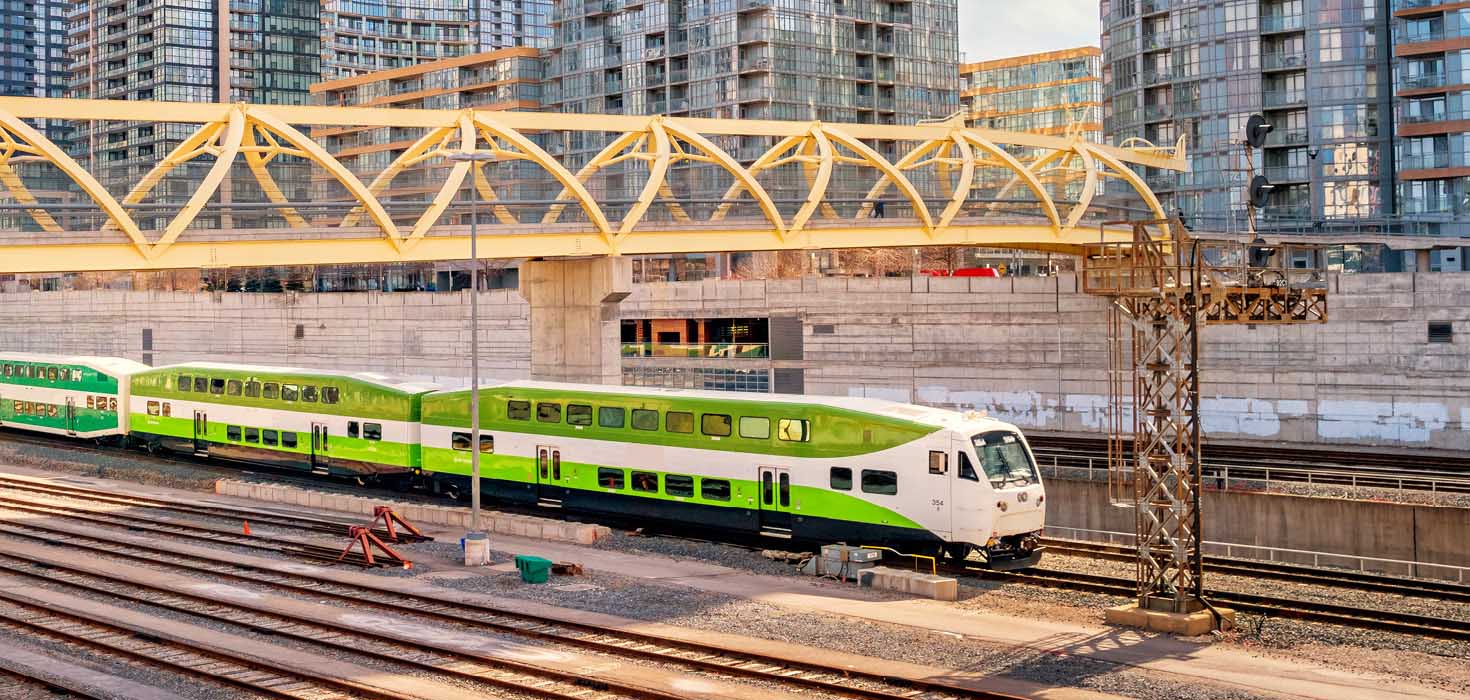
(533, 569)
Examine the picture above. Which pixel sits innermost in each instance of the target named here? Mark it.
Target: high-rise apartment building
(507, 23)
(361, 36)
(1054, 93)
(1432, 91)
(1319, 70)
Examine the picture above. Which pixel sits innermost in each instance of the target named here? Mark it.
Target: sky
(1000, 28)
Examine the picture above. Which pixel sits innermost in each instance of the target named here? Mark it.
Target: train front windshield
(1005, 460)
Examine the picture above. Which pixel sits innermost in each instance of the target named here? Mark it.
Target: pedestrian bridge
(144, 185)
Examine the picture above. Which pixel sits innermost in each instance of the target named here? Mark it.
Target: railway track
(1335, 578)
(1270, 606)
(692, 656)
(1439, 473)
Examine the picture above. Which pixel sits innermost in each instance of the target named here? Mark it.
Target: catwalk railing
(167, 185)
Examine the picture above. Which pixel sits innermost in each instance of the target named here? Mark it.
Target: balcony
(1281, 23)
(1283, 60)
(1287, 173)
(1158, 113)
(1418, 4)
(1286, 137)
(1426, 161)
(1151, 7)
(1283, 98)
(1422, 80)
(727, 351)
(1157, 42)
(1438, 115)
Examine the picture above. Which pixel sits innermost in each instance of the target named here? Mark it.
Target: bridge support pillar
(574, 318)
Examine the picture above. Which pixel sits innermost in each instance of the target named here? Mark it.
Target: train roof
(387, 381)
(926, 415)
(116, 366)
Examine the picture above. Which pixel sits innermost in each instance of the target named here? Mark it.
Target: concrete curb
(416, 513)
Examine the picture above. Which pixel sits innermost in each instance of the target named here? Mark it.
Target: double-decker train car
(76, 396)
(339, 423)
(805, 467)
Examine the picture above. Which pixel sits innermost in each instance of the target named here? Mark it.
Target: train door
(71, 416)
(201, 433)
(550, 485)
(320, 447)
(775, 502)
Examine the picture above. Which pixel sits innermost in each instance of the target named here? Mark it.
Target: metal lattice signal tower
(1164, 288)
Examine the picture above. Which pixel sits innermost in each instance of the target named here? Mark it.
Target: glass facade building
(1055, 93)
(506, 23)
(1432, 96)
(1320, 72)
(361, 36)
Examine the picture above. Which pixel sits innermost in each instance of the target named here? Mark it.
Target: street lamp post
(474, 158)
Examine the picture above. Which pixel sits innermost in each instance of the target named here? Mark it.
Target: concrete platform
(911, 582)
(69, 675)
(1212, 666)
(1186, 624)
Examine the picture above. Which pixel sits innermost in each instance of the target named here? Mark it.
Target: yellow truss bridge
(549, 184)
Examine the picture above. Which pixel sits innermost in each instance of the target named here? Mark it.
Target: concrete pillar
(574, 318)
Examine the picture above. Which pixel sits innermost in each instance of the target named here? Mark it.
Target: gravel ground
(111, 463)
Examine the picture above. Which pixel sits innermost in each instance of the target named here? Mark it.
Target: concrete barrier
(417, 513)
(911, 582)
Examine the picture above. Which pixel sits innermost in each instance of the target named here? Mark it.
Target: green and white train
(820, 469)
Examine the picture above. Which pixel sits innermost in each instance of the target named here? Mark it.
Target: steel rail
(709, 657)
(138, 646)
(1335, 578)
(1309, 611)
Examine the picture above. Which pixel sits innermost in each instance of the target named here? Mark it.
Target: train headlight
(1001, 505)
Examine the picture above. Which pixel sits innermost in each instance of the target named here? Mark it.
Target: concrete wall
(1382, 530)
(1030, 350)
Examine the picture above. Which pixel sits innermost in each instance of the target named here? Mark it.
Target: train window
(290, 392)
(252, 435)
(555, 464)
(51, 373)
(185, 382)
(679, 422)
(679, 486)
(460, 441)
(880, 482)
(487, 444)
(216, 386)
(578, 414)
(938, 462)
(967, 469)
(76, 375)
(252, 389)
(714, 489)
(166, 408)
(232, 432)
(269, 437)
(644, 419)
(647, 482)
(153, 408)
(785, 490)
(352, 430)
(793, 430)
(518, 410)
(5, 369)
(610, 416)
(288, 439)
(270, 390)
(372, 431)
(755, 427)
(767, 488)
(548, 412)
(330, 395)
(308, 393)
(841, 479)
(201, 384)
(233, 387)
(609, 478)
(715, 424)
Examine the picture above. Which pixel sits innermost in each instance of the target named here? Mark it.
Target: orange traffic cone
(247, 527)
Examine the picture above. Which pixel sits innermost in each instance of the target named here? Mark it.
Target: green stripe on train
(813, 502)
(835, 432)
(358, 397)
(395, 454)
(92, 381)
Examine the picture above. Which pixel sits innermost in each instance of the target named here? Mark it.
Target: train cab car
(325, 422)
(79, 396)
(817, 469)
